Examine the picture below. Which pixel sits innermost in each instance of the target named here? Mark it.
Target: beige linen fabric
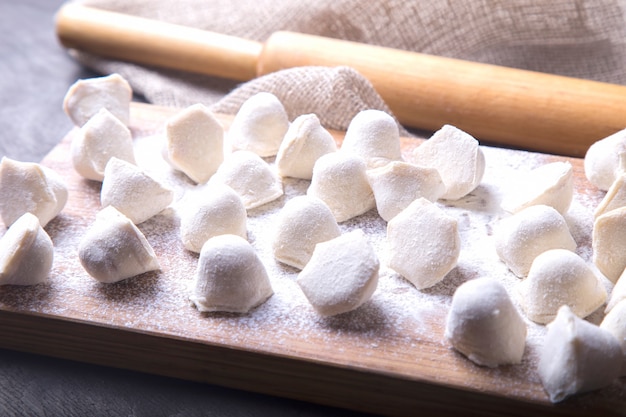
(579, 38)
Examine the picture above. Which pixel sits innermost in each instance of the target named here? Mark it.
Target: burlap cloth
(579, 38)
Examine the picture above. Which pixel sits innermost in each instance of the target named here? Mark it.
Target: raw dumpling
(373, 134)
(602, 160)
(260, 125)
(214, 209)
(484, 325)
(528, 233)
(85, 98)
(560, 277)
(133, 192)
(614, 198)
(397, 184)
(251, 177)
(615, 323)
(423, 243)
(113, 248)
(608, 241)
(230, 276)
(305, 141)
(100, 139)
(340, 181)
(195, 143)
(302, 223)
(27, 187)
(458, 158)
(577, 356)
(26, 253)
(618, 293)
(341, 275)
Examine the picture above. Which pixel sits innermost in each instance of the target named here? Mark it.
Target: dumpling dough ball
(305, 141)
(618, 293)
(341, 275)
(27, 187)
(602, 160)
(550, 184)
(340, 181)
(519, 239)
(560, 277)
(423, 243)
(133, 192)
(577, 356)
(86, 97)
(230, 277)
(373, 134)
(484, 325)
(302, 223)
(614, 198)
(26, 253)
(251, 177)
(608, 241)
(458, 158)
(214, 209)
(100, 139)
(195, 143)
(114, 249)
(260, 125)
(615, 323)
(397, 184)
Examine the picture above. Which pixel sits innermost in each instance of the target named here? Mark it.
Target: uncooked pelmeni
(373, 134)
(259, 126)
(194, 143)
(560, 277)
(251, 177)
(618, 293)
(397, 184)
(302, 223)
(608, 241)
(423, 243)
(341, 275)
(230, 277)
(27, 187)
(26, 253)
(614, 198)
(132, 191)
(305, 141)
(97, 141)
(86, 97)
(520, 238)
(602, 160)
(211, 210)
(615, 323)
(551, 184)
(340, 181)
(458, 158)
(577, 356)
(484, 325)
(114, 249)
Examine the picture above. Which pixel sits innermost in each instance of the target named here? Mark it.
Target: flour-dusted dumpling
(260, 125)
(97, 141)
(133, 192)
(519, 239)
(484, 325)
(423, 243)
(397, 184)
(618, 293)
(213, 209)
(458, 158)
(27, 187)
(577, 356)
(302, 223)
(305, 141)
(230, 277)
(602, 160)
(26, 253)
(614, 198)
(608, 241)
(251, 177)
(341, 275)
(550, 184)
(373, 134)
(195, 143)
(615, 323)
(113, 248)
(560, 277)
(86, 97)
(340, 181)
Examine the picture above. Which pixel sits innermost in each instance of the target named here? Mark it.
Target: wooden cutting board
(387, 357)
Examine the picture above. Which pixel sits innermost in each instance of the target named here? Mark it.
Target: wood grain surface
(388, 357)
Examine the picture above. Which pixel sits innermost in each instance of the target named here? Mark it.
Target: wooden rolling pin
(505, 106)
